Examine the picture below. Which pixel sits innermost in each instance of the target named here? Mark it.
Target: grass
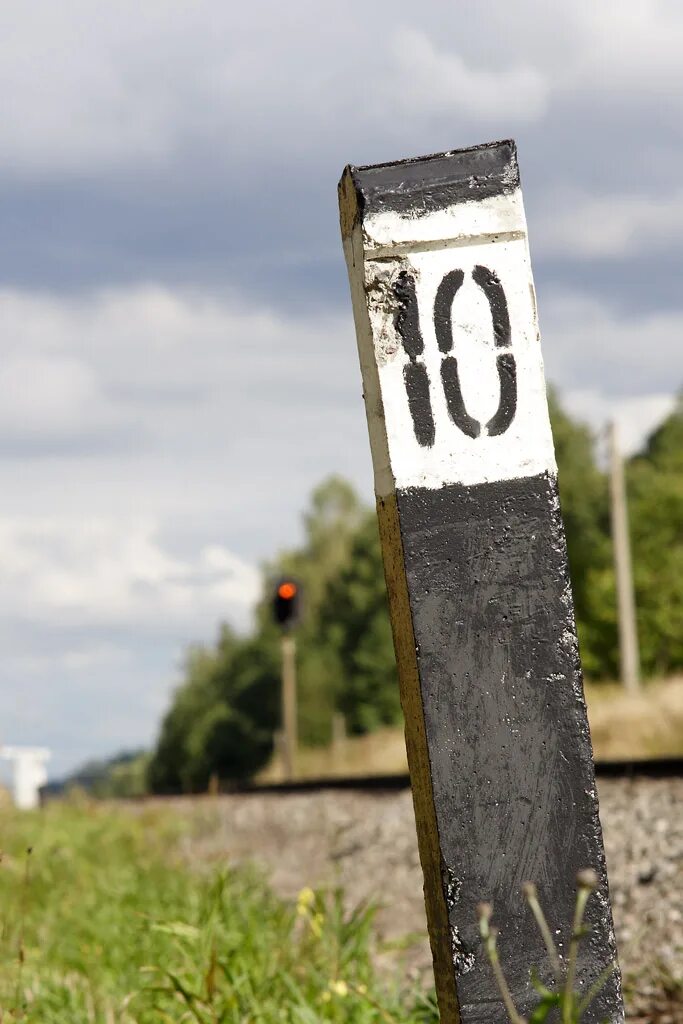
(103, 922)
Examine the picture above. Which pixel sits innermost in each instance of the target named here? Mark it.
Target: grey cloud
(146, 395)
(169, 220)
(92, 711)
(260, 113)
(87, 684)
(83, 444)
(632, 287)
(589, 344)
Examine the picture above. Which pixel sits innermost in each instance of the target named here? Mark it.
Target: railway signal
(476, 567)
(287, 602)
(287, 613)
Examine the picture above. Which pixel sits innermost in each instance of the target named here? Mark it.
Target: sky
(178, 358)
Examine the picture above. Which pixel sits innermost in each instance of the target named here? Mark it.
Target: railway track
(654, 768)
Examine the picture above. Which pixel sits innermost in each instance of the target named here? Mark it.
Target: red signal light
(286, 602)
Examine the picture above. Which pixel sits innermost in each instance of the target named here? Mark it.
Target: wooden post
(476, 567)
(289, 709)
(279, 753)
(628, 630)
(338, 739)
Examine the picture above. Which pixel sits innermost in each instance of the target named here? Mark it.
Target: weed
(562, 998)
(112, 927)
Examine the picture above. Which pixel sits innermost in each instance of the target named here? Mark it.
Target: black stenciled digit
(507, 378)
(407, 323)
(443, 325)
(443, 307)
(489, 283)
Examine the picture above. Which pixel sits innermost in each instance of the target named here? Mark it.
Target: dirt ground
(624, 727)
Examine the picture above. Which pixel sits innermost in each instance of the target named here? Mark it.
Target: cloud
(179, 363)
(636, 52)
(221, 421)
(52, 403)
(88, 658)
(426, 81)
(587, 342)
(226, 416)
(214, 420)
(635, 416)
(201, 391)
(194, 145)
(133, 88)
(114, 572)
(148, 362)
(609, 227)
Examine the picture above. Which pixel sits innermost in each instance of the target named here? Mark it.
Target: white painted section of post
(494, 218)
(29, 774)
(629, 657)
(490, 233)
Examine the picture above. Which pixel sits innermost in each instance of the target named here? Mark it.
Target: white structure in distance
(28, 774)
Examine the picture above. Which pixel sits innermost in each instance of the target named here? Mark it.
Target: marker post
(476, 568)
(629, 657)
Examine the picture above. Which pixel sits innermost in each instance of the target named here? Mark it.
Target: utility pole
(338, 739)
(628, 633)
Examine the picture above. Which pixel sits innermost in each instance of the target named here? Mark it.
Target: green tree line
(224, 713)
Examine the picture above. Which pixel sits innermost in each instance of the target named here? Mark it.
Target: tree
(354, 615)
(354, 622)
(224, 714)
(664, 447)
(330, 525)
(584, 499)
(169, 769)
(222, 717)
(120, 776)
(655, 490)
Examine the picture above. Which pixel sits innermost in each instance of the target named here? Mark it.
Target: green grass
(103, 921)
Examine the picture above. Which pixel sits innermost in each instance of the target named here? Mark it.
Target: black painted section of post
(506, 726)
(436, 182)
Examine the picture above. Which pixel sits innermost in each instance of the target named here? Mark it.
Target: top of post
(446, 319)
(424, 185)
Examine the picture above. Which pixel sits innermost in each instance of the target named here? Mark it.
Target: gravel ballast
(365, 842)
